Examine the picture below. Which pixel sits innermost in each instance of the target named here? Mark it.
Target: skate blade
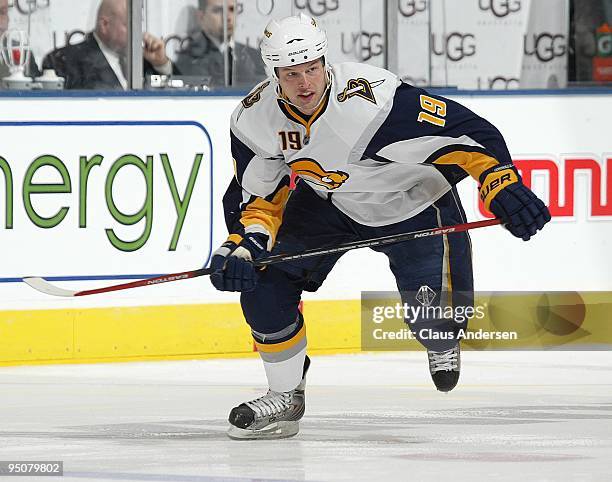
(275, 430)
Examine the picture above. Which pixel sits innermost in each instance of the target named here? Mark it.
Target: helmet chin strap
(281, 96)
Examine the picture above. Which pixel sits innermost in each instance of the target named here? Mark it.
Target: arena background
(127, 186)
(474, 44)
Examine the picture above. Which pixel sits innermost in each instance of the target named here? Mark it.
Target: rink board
(154, 332)
(80, 211)
(219, 330)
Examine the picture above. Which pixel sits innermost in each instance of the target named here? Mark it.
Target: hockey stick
(45, 287)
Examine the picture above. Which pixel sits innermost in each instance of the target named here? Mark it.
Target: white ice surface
(532, 416)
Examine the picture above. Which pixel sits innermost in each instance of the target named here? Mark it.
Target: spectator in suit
(205, 55)
(100, 61)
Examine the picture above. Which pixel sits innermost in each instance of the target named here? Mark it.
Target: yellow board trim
(175, 332)
(182, 332)
(122, 332)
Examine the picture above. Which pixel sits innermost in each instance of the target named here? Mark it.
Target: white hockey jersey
(380, 150)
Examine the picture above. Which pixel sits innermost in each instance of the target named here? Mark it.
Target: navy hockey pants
(438, 262)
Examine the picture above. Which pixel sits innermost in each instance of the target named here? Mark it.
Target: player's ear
(102, 24)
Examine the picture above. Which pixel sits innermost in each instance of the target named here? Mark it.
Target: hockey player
(375, 157)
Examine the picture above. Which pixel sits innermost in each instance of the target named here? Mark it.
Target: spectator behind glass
(31, 70)
(585, 57)
(100, 61)
(4, 71)
(204, 56)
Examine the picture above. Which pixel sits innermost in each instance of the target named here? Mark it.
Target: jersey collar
(292, 112)
(295, 115)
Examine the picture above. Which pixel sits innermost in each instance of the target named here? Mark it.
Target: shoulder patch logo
(255, 96)
(311, 171)
(360, 87)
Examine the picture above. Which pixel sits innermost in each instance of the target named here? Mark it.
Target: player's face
(304, 84)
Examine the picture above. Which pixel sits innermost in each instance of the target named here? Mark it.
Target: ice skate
(444, 367)
(273, 416)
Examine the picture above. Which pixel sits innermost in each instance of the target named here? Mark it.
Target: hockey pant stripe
(278, 352)
(285, 333)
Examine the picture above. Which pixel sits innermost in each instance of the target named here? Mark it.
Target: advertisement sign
(105, 199)
(99, 193)
(94, 193)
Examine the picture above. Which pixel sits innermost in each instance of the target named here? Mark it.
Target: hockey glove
(233, 263)
(505, 195)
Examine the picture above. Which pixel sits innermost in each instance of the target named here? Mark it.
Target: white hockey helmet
(292, 41)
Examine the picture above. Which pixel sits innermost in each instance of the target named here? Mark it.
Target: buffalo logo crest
(311, 171)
